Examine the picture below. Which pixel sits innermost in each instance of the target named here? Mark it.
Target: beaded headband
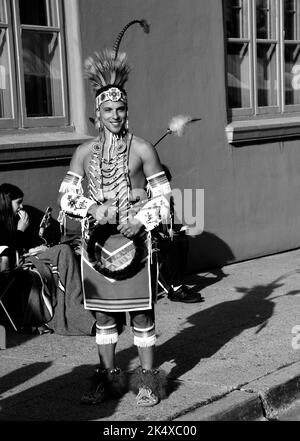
(111, 94)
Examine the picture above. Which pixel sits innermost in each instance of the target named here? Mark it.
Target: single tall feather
(144, 25)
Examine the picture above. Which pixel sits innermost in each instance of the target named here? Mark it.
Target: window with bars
(32, 64)
(263, 58)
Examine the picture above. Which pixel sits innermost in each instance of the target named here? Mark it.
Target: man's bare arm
(157, 210)
(76, 167)
(77, 161)
(70, 197)
(150, 159)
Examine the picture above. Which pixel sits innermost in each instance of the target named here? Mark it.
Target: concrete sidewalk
(233, 357)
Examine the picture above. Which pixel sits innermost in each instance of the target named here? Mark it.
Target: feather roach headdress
(108, 71)
(107, 75)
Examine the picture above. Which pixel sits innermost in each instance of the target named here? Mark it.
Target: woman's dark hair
(8, 193)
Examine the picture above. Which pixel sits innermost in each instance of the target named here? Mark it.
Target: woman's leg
(70, 317)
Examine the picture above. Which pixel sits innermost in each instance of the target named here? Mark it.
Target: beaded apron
(117, 273)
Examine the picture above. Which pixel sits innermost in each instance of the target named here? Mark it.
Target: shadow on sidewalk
(212, 328)
(14, 338)
(20, 376)
(58, 399)
(202, 281)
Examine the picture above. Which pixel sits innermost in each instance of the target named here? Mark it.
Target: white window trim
(238, 132)
(262, 125)
(77, 95)
(11, 122)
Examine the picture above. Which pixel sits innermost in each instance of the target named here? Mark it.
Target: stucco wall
(40, 185)
(251, 193)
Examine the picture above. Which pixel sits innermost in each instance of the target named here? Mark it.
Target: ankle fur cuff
(152, 379)
(114, 382)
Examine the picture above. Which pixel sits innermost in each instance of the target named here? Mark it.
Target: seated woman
(48, 290)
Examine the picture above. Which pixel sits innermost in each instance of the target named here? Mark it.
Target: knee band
(144, 338)
(106, 335)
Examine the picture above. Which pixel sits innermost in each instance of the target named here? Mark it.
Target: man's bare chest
(129, 164)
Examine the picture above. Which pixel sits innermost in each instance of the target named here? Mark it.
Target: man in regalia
(128, 198)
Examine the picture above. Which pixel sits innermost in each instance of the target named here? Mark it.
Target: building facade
(234, 63)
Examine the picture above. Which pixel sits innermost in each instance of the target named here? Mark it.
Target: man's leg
(109, 380)
(106, 339)
(146, 382)
(107, 355)
(146, 356)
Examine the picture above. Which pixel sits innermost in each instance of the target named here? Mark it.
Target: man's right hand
(23, 222)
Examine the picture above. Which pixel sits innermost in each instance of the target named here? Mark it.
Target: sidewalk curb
(259, 400)
(236, 406)
(278, 390)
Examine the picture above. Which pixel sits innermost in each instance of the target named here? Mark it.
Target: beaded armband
(73, 203)
(71, 184)
(158, 185)
(157, 209)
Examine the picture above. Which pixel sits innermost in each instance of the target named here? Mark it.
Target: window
(32, 64)
(263, 58)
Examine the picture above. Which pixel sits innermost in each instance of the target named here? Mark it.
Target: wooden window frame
(20, 120)
(10, 123)
(255, 111)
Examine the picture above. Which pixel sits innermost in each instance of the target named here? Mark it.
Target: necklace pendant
(96, 147)
(121, 147)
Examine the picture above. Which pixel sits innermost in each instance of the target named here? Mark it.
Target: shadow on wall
(207, 251)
